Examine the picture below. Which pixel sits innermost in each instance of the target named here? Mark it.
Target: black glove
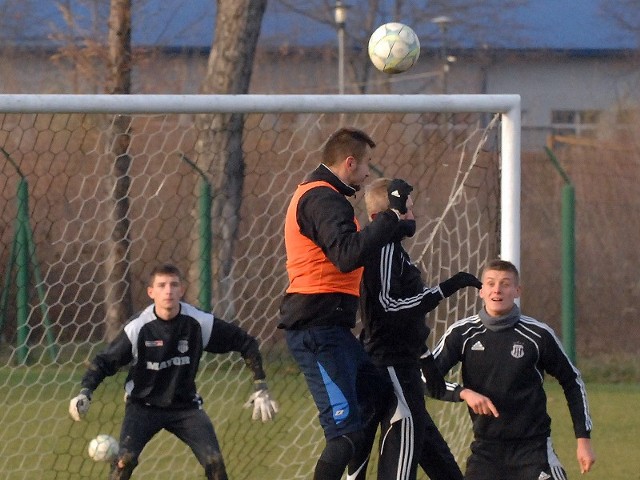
(436, 386)
(398, 192)
(458, 281)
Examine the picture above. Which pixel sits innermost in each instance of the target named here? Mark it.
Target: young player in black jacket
(505, 356)
(162, 346)
(394, 304)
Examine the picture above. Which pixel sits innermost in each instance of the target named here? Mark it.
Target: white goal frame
(507, 105)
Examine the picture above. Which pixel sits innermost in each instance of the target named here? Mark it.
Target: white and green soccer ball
(394, 48)
(103, 448)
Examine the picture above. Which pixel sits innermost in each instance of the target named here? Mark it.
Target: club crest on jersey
(183, 346)
(517, 351)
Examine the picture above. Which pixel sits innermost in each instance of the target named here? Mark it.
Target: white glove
(263, 406)
(79, 405)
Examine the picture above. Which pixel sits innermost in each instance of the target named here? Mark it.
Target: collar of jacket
(504, 322)
(324, 173)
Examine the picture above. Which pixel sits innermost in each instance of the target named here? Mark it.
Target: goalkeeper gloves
(264, 408)
(79, 405)
(398, 193)
(458, 281)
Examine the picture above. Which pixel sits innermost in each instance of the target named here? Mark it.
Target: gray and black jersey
(509, 367)
(164, 355)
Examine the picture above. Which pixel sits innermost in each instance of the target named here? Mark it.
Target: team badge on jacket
(183, 346)
(517, 351)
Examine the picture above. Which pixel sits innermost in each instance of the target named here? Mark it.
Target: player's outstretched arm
(478, 403)
(264, 407)
(79, 405)
(458, 281)
(586, 457)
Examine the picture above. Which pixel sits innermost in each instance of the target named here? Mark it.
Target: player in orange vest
(326, 249)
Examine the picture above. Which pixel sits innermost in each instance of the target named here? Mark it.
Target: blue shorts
(346, 387)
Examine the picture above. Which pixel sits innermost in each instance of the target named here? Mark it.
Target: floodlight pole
(443, 23)
(340, 17)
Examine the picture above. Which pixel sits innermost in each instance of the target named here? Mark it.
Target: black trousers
(530, 459)
(408, 435)
(192, 426)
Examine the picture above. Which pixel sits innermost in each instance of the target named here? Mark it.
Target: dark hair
(164, 269)
(502, 266)
(345, 142)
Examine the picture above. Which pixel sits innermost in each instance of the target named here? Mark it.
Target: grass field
(615, 438)
(39, 441)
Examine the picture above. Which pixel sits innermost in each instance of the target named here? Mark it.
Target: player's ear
(350, 162)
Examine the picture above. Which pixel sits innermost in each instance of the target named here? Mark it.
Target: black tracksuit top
(509, 366)
(394, 303)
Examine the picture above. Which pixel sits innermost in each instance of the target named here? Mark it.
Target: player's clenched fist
(398, 192)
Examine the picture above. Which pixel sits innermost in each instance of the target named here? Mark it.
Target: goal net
(96, 190)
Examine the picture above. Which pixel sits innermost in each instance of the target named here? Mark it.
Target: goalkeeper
(162, 346)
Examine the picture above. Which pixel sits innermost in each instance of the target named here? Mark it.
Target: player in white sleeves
(162, 346)
(505, 356)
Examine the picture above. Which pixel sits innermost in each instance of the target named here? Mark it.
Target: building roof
(542, 24)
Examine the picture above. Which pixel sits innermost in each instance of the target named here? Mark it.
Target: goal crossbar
(507, 105)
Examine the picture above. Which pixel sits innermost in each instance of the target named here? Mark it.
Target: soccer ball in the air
(394, 48)
(103, 448)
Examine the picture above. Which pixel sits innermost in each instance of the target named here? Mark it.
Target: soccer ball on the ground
(103, 448)
(394, 47)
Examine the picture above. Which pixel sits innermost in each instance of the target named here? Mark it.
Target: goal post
(508, 105)
(460, 152)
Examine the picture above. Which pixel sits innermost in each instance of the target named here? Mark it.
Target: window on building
(580, 123)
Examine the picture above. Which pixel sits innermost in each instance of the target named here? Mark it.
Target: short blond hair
(376, 199)
(501, 266)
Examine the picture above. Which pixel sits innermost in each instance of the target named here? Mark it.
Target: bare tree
(118, 293)
(81, 45)
(625, 15)
(219, 143)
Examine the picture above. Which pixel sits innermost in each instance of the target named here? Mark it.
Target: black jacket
(327, 218)
(509, 366)
(394, 303)
(164, 355)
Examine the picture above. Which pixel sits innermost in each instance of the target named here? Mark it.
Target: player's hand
(586, 457)
(264, 407)
(79, 405)
(478, 403)
(434, 380)
(398, 193)
(458, 281)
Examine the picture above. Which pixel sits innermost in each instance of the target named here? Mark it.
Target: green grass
(38, 440)
(615, 439)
